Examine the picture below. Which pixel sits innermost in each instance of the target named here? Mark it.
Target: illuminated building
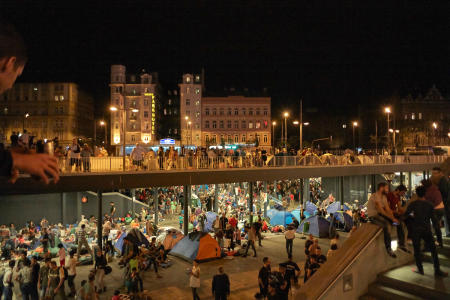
(133, 92)
(47, 110)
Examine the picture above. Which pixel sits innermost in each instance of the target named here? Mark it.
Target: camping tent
(296, 213)
(137, 237)
(197, 245)
(311, 208)
(118, 245)
(171, 239)
(336, 206)
(210, 217)
(315, 225)
(281, 217)
(344, 218)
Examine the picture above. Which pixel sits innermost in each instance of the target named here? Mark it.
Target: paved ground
(243, 272)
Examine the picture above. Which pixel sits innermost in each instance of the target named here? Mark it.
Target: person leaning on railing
(12, 62)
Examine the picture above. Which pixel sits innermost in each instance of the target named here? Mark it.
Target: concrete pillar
(305, 190)
(186, 189)
(300, 197)
(341, 191)
(216, 198)
(266, 201)
(424, 175)
(365, 194)
(410, 184)
(156, 205)
(250, 202)
(402, 181)
(373, 183)
(99, 219)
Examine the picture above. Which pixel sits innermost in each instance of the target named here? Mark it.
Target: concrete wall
(63, 208)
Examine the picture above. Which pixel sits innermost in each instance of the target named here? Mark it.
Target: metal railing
(114, 163)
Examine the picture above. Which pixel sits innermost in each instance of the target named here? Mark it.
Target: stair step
(444, 260)
(380, 291)
(368, 297)
(426, 286)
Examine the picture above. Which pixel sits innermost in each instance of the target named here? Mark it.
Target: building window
(206, 138)
(197, 78)
(243, 125)
(236, 124)
(266, 124)
(229, 111)
(236, 138)
(243, 138)
(265, 138)
(214, 111)
(236, 111)
(206, 124)
(146, 102)
(56, 98)
(133, 138)
(229, 139)
(243, 111)
(214, 139)
(250, 111)
(420, 116)
(197, 114)
(197, 91)
(229, 124)
(197, 126)
(257, 112)
(188, 90)
(146, 126)
(197, 137)
(197, 103)
(265, 112)
(145, 114)
(188, 79)
(221, 124)
(406, 116)
(222, 139)
(250, 125)
(221, 111)
(258, 125)
(214, 124)
(188, 102)
(207, 111)
(413, 116)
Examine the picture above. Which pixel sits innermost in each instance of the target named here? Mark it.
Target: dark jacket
(221, 284)
(5, 163)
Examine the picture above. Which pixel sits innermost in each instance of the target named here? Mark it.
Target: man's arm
(41, 165)
(386, 212)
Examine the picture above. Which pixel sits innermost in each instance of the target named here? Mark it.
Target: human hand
(41, 165)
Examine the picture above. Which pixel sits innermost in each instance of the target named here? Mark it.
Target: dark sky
(332, 56)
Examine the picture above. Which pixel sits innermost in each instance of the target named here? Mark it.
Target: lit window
(229, 139)
(197, 103)
(197, 78)
(258, 125)
(197, 114)
(214, 138)
(206, 138)
(188, 90)
(243, 138)
(250, 125)
(197, 126)
(413, 116)
(188, 102)
(197, 137)
(197, 91)
(169, 102)
(420, 116)
(56, 98)
(133, 138)
(266, 124)
(188, 79)
(206, 124)
(221, 124)
(406, 116)
(236, 138)
(236, 111)
(265, 138)
(35, 89)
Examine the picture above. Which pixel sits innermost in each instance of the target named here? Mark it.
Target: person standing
(82, 241)
(85, 156)
(55, 288)
(35, 268)
(61, 255)
(289, 235)
(395, 205)
(194, 280)
(422, 212)
(100, 265)
(221, 285)
(72, 273)
(75, 155)
(223, 222)
(43, 278)
(24, 278)
(380, 214)
(439, 178)
(251, 240)
(8, 281)
(433, 195)
(292, 269)
(263, 277)
(44, 241)
(258, 226)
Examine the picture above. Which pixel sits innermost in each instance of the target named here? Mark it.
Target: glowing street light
(355, 124)
(435, 125)
(274, 123)
(295, 122)
(388, 111)
(306, 123)
(285, 115)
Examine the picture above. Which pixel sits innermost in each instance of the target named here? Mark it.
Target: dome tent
(315, 225)
(197, 246)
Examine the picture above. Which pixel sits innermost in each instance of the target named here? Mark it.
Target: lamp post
(301, 125)
(354, 124)
(285, 115)
(387, 110)
(190, 134)
(394, 133)
(435, 126)
(103, 123)
(186, 118)
(25, 116)
(301, 131)
(273, 136)
(124, 117)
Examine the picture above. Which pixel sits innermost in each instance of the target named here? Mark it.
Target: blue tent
(336, 206)
(210, 217)
(272, 212)
(311, 208)
(281, 217)
(197, 245)
(296, 213)
(343, 218)
(119, 243)
(315, 225)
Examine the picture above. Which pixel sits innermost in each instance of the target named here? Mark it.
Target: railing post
(99, 219)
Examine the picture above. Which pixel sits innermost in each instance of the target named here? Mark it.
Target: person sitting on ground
(380, 214)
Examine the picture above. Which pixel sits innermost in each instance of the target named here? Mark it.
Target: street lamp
(274, 123)
(186, 118)
(190, 136)
(394, 133)
(355, 124)
(24, 117)
(124, 116)
(435, 126)
(388, 111)
(285, 115)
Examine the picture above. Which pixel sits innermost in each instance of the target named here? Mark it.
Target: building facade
(47, 110)
(221, 121)
(135, 98)
(425, 120)
(170, 112)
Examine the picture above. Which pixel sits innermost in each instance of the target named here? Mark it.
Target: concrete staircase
(403, 284)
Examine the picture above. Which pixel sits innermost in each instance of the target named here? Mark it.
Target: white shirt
(71, 266)
(195, 281)
(74, 148)
(372, 206)
(7, 277)
(137, 153)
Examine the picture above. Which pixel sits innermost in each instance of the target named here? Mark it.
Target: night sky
(331, 56)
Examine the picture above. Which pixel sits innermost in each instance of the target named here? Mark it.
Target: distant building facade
(221, 121)
(47, 110)
(418, 116)
(136, 99)
(170, 115)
